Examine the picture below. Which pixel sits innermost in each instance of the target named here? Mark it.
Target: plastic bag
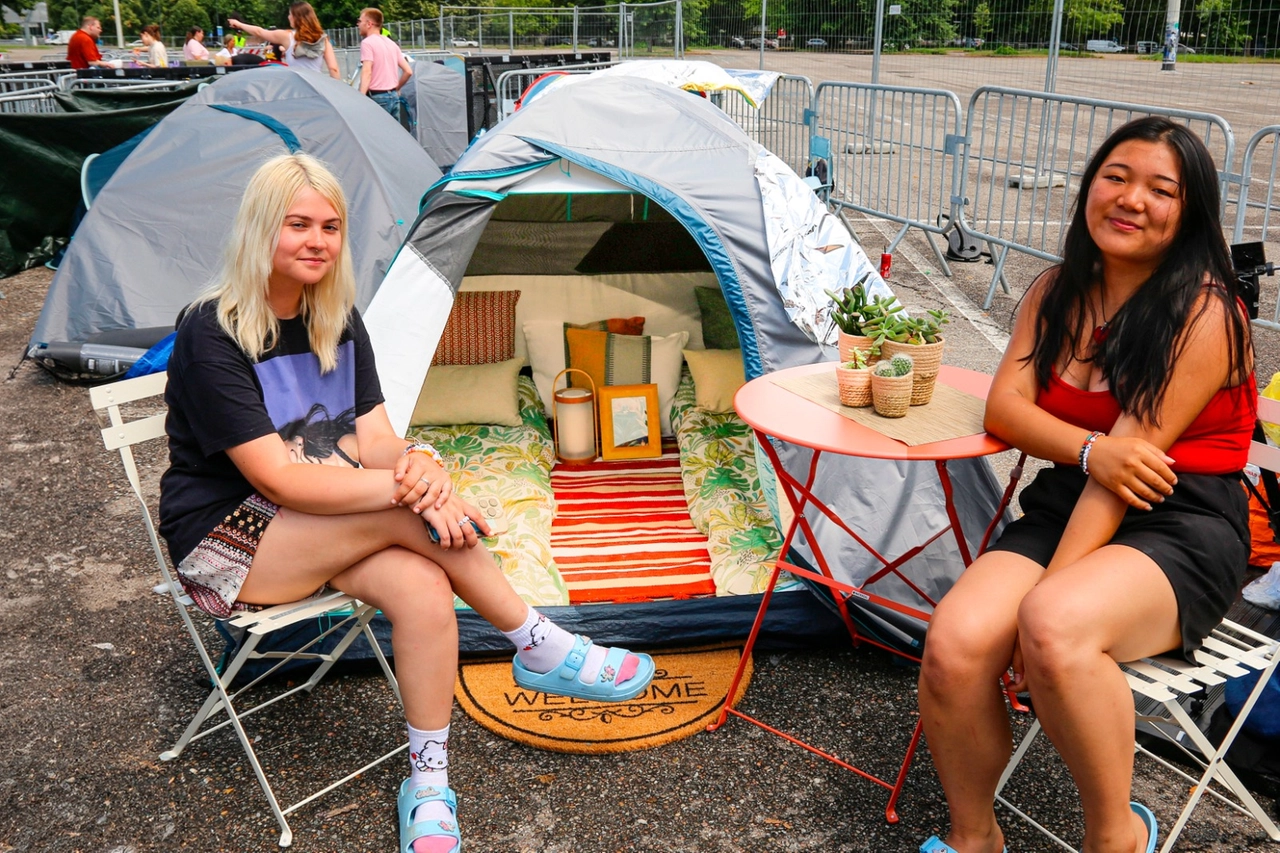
(1265, 591)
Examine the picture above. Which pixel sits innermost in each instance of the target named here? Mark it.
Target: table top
(783, 414)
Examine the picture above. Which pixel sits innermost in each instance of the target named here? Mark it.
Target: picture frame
(629, 426)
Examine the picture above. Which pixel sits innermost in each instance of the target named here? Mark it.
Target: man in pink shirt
(383, 68)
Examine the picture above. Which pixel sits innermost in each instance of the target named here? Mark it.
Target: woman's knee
(413, 587)
(962, 649)
(1055, 634)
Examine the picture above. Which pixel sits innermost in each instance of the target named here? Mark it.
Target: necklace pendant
(1100, 334)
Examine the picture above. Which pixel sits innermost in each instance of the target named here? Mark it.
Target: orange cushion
(617, 325)
(481, 328)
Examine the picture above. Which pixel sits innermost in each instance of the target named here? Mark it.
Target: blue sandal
(411, 830)
(936, 845)
(564, 680)
(1150, 821)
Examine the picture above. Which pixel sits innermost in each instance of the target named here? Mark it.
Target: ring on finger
(424, 481)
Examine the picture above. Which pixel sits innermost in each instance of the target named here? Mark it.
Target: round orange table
(778, 413)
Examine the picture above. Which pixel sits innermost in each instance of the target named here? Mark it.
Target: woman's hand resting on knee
(1134, 468)
(457, 523)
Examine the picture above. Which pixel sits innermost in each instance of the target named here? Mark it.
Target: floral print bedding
(722, 487)
(514, 465)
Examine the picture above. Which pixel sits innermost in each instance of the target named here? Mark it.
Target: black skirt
(1199, 537)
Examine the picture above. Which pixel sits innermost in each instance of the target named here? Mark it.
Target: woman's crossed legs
(1072, 627)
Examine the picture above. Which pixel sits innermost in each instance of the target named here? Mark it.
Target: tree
(982, 20)
(1094, 17)
(1221, 25)
(181, 15)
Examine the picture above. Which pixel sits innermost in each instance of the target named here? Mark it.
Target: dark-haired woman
(193, 50)
(1130, 368)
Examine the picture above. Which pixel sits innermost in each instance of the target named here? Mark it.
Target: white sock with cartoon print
(542, 645)
(429, 765)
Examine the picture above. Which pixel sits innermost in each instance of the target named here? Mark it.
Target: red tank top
(1216, 442)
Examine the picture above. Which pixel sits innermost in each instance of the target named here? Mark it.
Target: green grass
(1215, 59)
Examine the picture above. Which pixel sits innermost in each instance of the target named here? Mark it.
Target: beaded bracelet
(1086, 448)
(423, 447)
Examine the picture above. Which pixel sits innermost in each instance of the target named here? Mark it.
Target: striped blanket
(622, 532)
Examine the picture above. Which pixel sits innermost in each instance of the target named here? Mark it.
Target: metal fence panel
(779, 123)
(1025, 154)
(30, 95)
(1257, 205)
(894, 152)
(511, 84)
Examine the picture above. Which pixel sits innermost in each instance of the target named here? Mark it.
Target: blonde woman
(157, 56)
(305, 44)
(275, 355)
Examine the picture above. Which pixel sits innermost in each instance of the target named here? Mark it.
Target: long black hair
(1145, 337)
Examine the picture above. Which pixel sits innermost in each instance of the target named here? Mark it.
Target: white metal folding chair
(1170, 683)
(349, 617)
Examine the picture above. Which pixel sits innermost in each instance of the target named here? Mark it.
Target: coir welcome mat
(686, 694)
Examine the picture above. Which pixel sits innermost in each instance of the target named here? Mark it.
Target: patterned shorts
(213, 573)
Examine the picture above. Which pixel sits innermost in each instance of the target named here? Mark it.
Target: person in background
(82, 49)
(194, 49)
(1130, 367)
(228, 52)
(383, 68)
(304, 45)
(272, 370)
(157, 56)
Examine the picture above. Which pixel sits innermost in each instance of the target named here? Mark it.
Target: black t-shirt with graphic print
(219, 398)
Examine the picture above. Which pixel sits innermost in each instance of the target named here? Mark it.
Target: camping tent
(611, 147)
(437, 99)
(154, 235)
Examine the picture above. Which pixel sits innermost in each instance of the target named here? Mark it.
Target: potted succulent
(921, 338)
(891, 382)
(849, 311)
(853, 378)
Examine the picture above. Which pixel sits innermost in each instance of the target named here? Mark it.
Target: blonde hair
(241, 288)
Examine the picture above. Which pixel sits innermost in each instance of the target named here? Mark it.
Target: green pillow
(718, 331)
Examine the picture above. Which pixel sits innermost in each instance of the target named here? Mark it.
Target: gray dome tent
(752, 222)
(437, 99)
(154, 235)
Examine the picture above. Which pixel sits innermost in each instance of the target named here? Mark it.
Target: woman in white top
(157, 56)
(223, 57)
(306, 46)
(194, 48)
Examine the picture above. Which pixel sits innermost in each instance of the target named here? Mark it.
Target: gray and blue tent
(557, 188)
(154, 235)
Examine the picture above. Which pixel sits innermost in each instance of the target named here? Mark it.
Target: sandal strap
(612, 664)
(415, 829)
(572, 663)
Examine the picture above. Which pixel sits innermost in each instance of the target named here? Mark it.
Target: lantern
(574, 412)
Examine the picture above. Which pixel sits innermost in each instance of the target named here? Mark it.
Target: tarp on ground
(41, 155)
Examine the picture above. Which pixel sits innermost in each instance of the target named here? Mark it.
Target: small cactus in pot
(891, 386)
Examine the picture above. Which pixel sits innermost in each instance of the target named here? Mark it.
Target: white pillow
(544, 341)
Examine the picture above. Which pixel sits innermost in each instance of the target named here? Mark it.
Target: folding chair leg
(361, 618)
(214, 703)
(1215, 769)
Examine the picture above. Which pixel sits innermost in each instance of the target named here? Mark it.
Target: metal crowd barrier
(1253, 215)
(133, 84)
(779, 123)
(894, 154)
(1024, 154)
(55, 76)
(511, 84)
(28, 96)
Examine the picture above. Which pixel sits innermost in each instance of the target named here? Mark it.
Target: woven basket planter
(854, 386)
(891, 395)
(849, 343)
(927, 359)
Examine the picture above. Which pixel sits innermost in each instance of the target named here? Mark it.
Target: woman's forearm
(1093, 522)
(328, 489)
(1018, 421)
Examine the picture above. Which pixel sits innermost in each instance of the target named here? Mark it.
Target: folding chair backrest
(819, 148)
(122, 435)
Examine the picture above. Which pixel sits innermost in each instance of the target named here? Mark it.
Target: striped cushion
(481, 328)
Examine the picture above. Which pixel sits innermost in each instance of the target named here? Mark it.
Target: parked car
(59, 37)
(1103, 46)
(819, 44)
(461, 42)
(1149, 47)
(971, 42)
(769, 44)
(1185, 48)
(737, 41)
(1068, 47)
(859, 43)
